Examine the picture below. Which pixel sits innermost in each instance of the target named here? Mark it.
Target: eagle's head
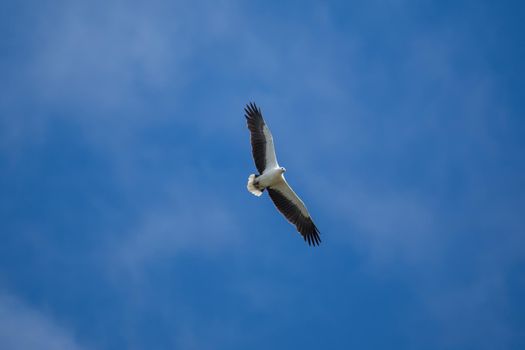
(283, 169)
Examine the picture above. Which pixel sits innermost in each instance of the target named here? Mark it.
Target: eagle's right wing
(293, 208)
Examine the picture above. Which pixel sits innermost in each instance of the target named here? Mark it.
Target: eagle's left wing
(261, 138)
(293, 208)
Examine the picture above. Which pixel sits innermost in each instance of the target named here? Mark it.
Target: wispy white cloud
(190, 220)
(25, 328)
(108, 63)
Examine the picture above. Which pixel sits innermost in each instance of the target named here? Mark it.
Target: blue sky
(124, 154)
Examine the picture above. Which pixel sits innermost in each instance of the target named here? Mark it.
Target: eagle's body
(272, 179)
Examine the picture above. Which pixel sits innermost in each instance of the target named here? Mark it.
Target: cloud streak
(24, 328)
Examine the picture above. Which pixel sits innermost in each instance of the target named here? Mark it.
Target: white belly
(269, 178)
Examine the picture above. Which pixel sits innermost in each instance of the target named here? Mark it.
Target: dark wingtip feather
(310, 233)
(313, 236)
(251, 110)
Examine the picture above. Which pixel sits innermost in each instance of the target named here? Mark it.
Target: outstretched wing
(261, 139)
(293, 208)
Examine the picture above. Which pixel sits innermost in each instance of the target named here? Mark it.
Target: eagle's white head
(283, 170)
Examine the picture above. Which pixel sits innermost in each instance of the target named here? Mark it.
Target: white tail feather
(251, 187)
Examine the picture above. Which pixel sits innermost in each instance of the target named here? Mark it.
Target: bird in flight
(272, 179)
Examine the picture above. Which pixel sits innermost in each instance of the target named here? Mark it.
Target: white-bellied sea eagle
(272, 179)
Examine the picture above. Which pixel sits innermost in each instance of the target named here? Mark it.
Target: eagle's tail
(251, 186)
